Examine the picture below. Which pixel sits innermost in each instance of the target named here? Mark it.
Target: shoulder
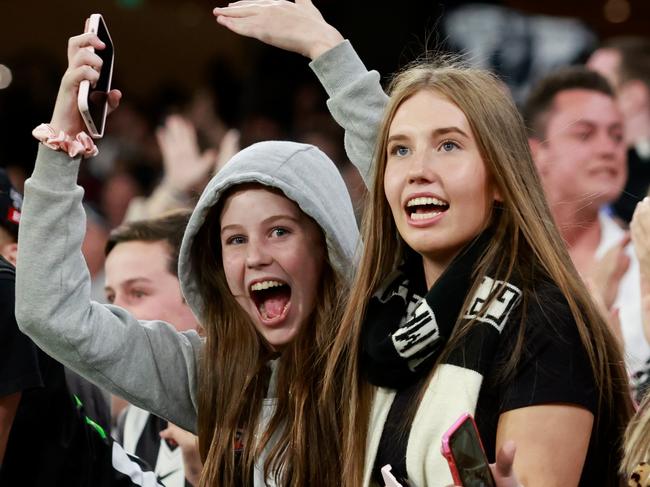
(552, 365)
(7, 271)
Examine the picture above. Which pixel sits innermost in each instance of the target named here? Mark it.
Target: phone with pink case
(462, 447)
(92, 100)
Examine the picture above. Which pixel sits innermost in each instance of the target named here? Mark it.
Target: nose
(609, 146)
(420, 170)
(257, 255)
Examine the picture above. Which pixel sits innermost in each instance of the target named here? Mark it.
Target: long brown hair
(525, 241)
(234, 378)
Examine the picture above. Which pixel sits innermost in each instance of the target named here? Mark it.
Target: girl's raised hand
(298, 27)
(83, 64)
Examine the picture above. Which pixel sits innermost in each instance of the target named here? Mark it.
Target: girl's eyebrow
(436, 133)
(282, 216)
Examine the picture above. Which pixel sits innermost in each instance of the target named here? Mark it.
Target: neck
(434, 267)
(580, 229)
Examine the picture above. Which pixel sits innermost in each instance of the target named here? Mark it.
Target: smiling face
(273, 256)
(138, 280)
(582, 158)
(435, 180)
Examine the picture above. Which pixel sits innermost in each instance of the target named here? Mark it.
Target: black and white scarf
(404, 331)
(406, 328)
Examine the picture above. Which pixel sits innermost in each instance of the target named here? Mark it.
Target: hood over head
(306, 176)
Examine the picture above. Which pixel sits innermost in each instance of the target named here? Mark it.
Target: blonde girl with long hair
(466, 299)
(265, 261)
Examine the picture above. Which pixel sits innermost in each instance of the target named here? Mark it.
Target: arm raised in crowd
(356, 98)
(103, 343)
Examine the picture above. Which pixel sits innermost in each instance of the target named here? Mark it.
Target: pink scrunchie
(81, 144)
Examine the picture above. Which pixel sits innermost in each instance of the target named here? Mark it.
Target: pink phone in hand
(93, 100)
(462, 447)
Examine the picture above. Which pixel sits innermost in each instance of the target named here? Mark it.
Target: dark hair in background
(542, 97)
(168, 228)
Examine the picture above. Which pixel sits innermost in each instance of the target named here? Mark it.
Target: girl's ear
(538, 151)
(496, 196)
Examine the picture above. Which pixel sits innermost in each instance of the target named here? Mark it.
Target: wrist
(324, 43)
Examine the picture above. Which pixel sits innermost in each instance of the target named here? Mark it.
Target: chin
(280, 338)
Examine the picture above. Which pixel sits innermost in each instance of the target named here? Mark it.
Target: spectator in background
(578, 144)
(142, 277)
(53, 423)
(625, 62)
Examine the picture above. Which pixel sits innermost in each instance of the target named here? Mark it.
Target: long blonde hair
(525, 241)
(234, 377)
(637, 438)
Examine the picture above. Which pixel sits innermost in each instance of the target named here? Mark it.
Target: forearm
(8, 408)
(192, 464)
(103, 343)
(357, 102)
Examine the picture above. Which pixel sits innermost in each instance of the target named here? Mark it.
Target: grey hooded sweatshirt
(149, 363)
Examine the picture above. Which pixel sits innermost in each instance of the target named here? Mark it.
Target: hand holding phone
(461, 446)
(92, 100)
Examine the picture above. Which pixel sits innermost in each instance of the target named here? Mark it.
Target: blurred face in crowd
(435, 180)
(273, 258)
(138, 280)
(583, 156)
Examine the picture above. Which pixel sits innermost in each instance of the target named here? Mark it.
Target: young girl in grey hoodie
(265, 261)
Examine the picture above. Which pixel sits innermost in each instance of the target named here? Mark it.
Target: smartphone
(93, 100)
(462, 447)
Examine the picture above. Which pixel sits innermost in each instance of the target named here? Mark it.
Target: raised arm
(356, 98)
(149, 364)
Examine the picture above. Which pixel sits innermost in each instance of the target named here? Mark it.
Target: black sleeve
(19, 367)
(554, 367)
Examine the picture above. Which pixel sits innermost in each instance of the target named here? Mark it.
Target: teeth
(424, 216)
(259, 286)
(425, 200)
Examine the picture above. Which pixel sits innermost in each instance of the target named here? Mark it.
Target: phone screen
(98, 96)
(469, 457)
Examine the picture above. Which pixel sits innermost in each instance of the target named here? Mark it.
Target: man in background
(142, 277)
(577, 138)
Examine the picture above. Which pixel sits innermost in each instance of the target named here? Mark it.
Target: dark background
(165, 49)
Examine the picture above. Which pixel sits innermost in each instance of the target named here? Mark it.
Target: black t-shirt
(50, 443)
(554, 368)
(19, 368)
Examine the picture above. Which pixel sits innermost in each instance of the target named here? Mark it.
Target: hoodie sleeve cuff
(55, 170)
(336, 67)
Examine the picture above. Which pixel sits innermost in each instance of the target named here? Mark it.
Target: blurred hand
(228, 148)
(184, 166)
(609, 270)
(189, 446)
(83, 64)
(297, 27)
(640, 231)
